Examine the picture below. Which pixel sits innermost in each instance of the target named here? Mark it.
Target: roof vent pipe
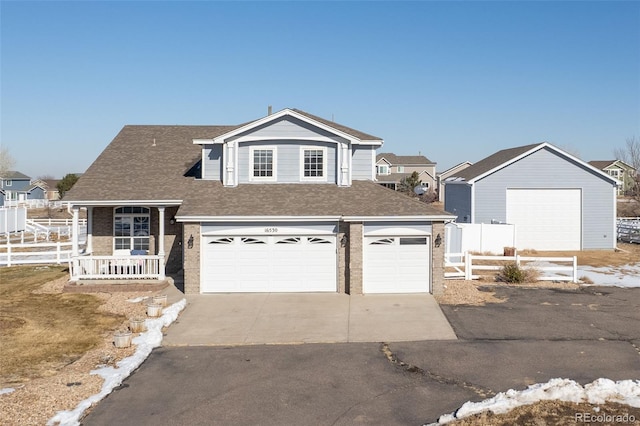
(269, 110)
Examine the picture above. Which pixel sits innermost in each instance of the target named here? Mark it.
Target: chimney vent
(269, 110)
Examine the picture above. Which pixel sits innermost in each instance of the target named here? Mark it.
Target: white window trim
(400, 169)
(131, 237)
(379, 168)
(8, 182)
(273, 178)
(322, 178)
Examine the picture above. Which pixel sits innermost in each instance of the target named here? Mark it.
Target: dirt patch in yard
(625, 254)
(52, 340)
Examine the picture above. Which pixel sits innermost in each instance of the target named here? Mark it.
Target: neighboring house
(16, 187)
(441, 177)
(285, 203)
(620, 170)
(391, 169)
(556, 201)
(52, 189)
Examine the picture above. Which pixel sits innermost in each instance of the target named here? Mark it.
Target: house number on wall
(270, 230)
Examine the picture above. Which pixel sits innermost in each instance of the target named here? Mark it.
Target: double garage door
(297, 263)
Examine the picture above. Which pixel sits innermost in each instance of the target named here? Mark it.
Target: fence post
(8, 251)
(575, 269)
(22, 237)
(467, 265)
(58, 252)
(518, 260)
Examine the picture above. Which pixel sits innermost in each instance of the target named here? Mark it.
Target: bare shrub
(513, 273)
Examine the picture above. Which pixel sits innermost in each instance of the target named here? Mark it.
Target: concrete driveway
(535, 335)
(282, 318)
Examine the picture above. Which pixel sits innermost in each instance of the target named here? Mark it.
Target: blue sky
(455, 81)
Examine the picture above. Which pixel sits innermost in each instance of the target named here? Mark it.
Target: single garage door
(268, 264)
(546, 219)
(396, 264)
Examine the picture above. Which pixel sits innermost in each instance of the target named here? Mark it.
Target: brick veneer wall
(437, 259)
(192, 259)
(355, 258)
(343, 230)
(102, 241)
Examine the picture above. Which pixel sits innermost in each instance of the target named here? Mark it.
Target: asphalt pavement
(534, 336)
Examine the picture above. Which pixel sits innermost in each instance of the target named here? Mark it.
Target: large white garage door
(396, 264)
(268, 264)
(546, 219)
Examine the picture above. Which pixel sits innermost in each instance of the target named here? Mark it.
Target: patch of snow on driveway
(113, 377)
(597, 392)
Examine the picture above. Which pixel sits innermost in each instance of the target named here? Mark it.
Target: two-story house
(16, 188)
(618, 169)
(285, 203)
(391, 169)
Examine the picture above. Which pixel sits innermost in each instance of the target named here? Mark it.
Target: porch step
(100, 286)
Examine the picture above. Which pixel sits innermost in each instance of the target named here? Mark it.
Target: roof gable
(509, 156)
(608, 164)
(354, 136)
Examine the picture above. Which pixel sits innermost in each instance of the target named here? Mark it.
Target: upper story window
(314, 163)
(614, 172)
(263, 161)
(8, 183)
(400, 169)
(131, 228)
(382, 169)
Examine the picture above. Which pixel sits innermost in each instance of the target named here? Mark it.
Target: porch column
(89, 248)
(75, 231)
(161, 241)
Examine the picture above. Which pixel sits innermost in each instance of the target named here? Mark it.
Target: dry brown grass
(625, 255)
(43, 332)
(551, 413)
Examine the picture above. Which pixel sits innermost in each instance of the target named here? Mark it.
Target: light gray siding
(284, 228)
(547, 169)
(212, 162)
(457, 201)
(362, 162)
(287, 128)
(288, 160)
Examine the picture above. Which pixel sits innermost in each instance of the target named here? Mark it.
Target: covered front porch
(126, 241)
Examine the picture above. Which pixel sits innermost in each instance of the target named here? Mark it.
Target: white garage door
(546, 219)
(396, 264)
(268, 264)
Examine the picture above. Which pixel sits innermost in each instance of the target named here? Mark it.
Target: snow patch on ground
(596, 392)
(6, 390)
(113, 377)
(620, 276)
(136, 299)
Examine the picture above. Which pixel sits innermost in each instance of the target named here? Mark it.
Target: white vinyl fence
(37, 253)
(479, 237)
(12, 219)
(629, 229)
(549, 268)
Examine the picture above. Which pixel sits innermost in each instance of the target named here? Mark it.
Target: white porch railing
(117, 267)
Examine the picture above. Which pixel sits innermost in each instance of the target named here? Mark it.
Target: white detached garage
(555, 200)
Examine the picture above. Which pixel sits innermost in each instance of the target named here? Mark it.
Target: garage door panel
(546, 219)
(269, 264)
(396, 265)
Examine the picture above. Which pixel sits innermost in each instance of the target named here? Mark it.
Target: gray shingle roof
(400, 160)
(492, 162)
(132, 168)
(12, 174)
(353, 132)
(601, 165)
